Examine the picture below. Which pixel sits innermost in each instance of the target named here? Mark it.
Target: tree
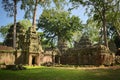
(58, 24)
(89, 29)
(92, 30)
(46, 42)
(4, 30)
(10, 6)
(30, 7)
(100, 10)
(114, 17)
(60, 4)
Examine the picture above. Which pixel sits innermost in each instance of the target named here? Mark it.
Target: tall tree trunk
(14, 29)
(34, 14)
(59, 44)
(104, 28)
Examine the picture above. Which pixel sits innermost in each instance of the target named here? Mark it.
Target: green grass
(60, 74)
(33, 67)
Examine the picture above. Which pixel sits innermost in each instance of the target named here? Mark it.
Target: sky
(4, 19)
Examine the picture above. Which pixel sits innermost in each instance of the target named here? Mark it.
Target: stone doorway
(34, 60)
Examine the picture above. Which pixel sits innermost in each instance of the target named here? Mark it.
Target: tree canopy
(101, 11)
(58, 24)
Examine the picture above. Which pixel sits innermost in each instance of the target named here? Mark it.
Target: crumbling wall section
(97, 55)
(7, 58)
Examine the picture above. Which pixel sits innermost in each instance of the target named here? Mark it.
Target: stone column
(30, 60)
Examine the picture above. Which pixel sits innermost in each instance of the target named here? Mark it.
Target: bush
(15, 67)
(48, 64)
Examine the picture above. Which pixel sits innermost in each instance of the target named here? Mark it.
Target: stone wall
(6, 55)
(47, 58)
(97, 55)
(7, 58)
(49, 55)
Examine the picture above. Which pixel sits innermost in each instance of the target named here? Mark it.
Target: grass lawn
(60, 74)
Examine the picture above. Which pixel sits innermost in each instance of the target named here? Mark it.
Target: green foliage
(59, 4)
(95, 8)
(92, 29)
(58, 24)
(4, 30)
(25, 23)
(1, 43)
(29, 6)
(46, 43)
(8, 6)
(103, 11)
(76, 37)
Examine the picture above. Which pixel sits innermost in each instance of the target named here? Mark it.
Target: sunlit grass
(45, 73)
(33, 67)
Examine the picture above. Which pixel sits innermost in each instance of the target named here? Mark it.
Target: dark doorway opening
(33, 60)
(56, 59)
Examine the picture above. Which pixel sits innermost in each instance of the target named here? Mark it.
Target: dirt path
(89, 68)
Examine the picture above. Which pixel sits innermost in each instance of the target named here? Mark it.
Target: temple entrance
(33, 60)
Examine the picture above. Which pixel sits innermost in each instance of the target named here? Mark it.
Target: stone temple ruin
(29, 52)
(83, 43)
(85, 53)
(31, 48)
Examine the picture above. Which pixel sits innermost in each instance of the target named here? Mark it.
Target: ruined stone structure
(50, 55)
(34, 49)
(29, 51)
(6, 55)
(85, 53)
(83, 43)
